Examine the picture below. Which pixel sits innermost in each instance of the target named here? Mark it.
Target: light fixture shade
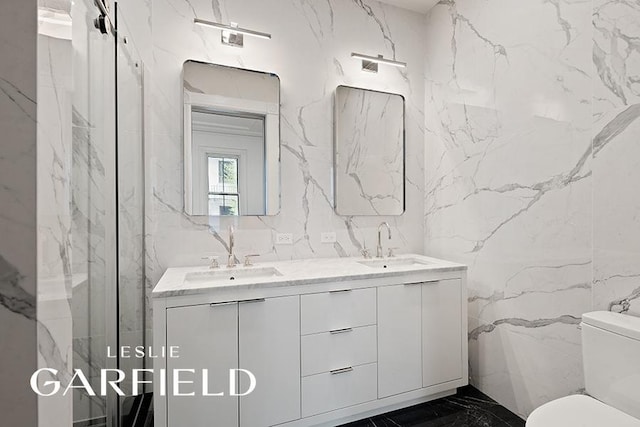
(369, 63)
(232, 38)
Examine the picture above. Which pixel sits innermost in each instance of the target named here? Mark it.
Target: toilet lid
(579, 411)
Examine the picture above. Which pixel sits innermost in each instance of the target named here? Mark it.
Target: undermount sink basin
(393, 262)
(230, 274)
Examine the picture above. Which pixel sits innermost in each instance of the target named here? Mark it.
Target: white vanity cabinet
(443, 337)
(324, 350)
(400, 339)
(269, 347)
(259, 335)
(207, 337)
(420, 336)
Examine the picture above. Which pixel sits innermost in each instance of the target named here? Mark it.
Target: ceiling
(421, 6)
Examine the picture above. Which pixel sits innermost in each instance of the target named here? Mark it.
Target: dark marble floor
(468, 408)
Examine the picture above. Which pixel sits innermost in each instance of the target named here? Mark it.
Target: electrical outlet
(284, 239)
(328, 237)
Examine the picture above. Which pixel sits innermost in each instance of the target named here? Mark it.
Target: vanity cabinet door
(441, 331)
(399, 339)
(270, 349)
(207, 336)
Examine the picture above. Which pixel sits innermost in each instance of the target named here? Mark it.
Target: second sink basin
(230, 274)
(393, 262)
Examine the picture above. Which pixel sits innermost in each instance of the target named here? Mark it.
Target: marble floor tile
(468, 408)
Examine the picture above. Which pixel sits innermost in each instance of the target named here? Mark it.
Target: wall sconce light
(233, 35)
(370, 63)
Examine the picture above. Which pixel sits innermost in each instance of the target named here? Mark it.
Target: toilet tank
(611, 356)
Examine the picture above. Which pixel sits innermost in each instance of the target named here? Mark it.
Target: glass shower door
(93, 177)
(131, 197)
(107, 211)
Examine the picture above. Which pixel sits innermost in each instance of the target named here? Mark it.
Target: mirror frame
(193, 100)
(335, 152)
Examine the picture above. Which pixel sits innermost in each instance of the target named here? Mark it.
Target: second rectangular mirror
(231, 141)
(369, 152)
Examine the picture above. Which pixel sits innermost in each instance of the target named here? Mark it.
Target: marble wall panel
(55, 270)
(508, 185)
(616, 151)
(18, 244)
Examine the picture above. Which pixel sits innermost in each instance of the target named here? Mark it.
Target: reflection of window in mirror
(223, 185)
(230, 167)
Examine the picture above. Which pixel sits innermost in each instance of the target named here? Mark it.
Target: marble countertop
(294, 273)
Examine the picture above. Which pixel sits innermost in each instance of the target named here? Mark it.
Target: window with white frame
(224, 198)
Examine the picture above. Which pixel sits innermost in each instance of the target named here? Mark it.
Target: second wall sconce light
(232, 35)
(370, 63)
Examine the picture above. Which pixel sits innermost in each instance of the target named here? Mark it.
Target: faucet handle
(365, 253)
(247, 259)
(392, 253)
(214, 261)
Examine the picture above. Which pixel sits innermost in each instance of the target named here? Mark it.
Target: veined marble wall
(508, 165)
(528, 187)
(616, 151)
(18, 44)
(310, 51)
(55, 247)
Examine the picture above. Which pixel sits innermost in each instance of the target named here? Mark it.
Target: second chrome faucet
(231, 261)
(379, 252)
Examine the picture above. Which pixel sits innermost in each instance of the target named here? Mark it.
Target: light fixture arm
(233, 28)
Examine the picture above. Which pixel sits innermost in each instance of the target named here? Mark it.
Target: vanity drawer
(337, 310)
(337, 349)
(329, 391)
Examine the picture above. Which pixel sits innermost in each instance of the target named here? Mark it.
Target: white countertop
(295, 273)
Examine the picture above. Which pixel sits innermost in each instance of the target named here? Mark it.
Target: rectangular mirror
(231, 141)
(369, 152)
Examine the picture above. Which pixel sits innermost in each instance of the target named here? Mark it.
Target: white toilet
(611, 356)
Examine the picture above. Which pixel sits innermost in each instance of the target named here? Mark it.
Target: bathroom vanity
(328, 340)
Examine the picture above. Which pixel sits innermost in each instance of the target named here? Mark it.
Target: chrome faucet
(232, 258)
(379, 247)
